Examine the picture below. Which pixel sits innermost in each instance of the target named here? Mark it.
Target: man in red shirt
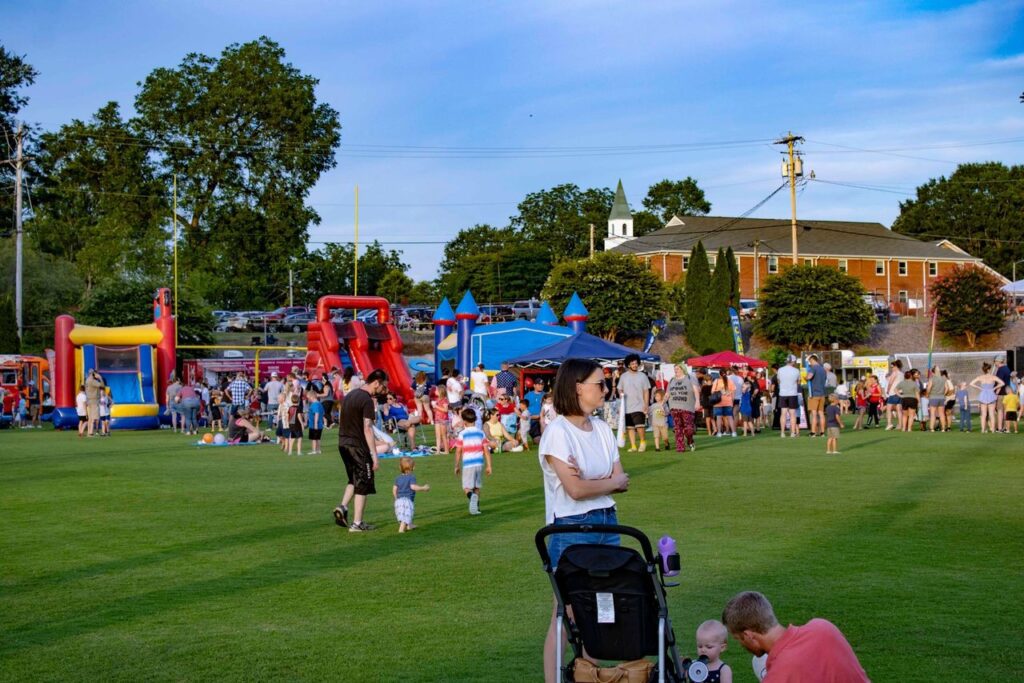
(816, 652)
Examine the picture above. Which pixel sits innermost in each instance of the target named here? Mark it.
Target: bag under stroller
(618, 607)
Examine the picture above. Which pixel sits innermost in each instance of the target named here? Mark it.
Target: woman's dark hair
(572, 372)
(908, 374)
(347, 375)
(985, 367)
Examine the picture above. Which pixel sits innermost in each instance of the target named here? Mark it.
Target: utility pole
(591, 240)
(291, 299)
(757, 266)
(792, 168)
(18, 163)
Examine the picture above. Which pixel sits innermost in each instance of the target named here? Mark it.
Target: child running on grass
(711, 643)
(472, 452)
(315, 418)
(833, 423)
(659, 419)
(404, 491)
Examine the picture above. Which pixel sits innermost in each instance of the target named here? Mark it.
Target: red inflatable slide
(369, 345)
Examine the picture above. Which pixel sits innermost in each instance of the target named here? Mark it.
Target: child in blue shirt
(963, 404)
(404, 491)
(315, 419)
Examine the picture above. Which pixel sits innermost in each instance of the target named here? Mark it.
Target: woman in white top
(579, 459)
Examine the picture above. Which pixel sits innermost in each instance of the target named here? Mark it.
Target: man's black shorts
(790, 402)
(359, 468)
(637, 419)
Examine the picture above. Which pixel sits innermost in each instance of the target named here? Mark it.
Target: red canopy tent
(725, 359)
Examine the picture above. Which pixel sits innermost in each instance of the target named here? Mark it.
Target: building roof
(620, 207)
(844, 239)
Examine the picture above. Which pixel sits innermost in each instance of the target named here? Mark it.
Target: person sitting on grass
(472, 453)
(242, 430)
(404, 491)
(394, 410)
(498, 437)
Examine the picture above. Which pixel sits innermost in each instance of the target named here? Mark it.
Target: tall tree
(395, 286)
(698, 294)
(645, 222)
(669, 198)
(979, 208)
(969, 302)
(560, 218)
(734, 279)
(718, 329)
(15, 74)
(790, 311)
(479, 239)
(130, 302)
(329, 270)
(621, 294)
(247, 139)
(51, 287)
(98, 201)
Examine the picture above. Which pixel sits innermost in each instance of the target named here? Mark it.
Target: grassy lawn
(141, 557)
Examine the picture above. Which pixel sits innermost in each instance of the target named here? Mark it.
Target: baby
(711, 643)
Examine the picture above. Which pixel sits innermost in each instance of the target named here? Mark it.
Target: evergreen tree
(718, 329)
(9, 342)
(734, 277)
(698, 285)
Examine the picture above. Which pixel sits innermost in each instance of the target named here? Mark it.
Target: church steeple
(620, 220)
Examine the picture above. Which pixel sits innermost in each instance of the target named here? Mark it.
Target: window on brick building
(843, 266)
(933, 268)
(686, 263)
(808, 262)
(902, 265)
(879, 267)
(903, 296)
(773, 264)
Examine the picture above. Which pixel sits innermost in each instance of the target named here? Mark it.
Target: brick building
(896, 267)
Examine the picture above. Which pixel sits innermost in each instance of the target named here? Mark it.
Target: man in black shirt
(358, 449)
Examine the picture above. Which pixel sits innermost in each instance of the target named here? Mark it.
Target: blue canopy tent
(580, 345)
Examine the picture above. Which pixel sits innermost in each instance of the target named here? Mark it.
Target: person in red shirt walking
(816, 652)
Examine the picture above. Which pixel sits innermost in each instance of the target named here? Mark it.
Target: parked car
(278, 315)
(881, 308)
(297, 322)
(748, 309)
(526, 310)
(496, 314)
(236, 322)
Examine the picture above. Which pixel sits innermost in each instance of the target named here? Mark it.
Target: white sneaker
(474, 504)
(782, 434)
(733, 435)
(517, 449)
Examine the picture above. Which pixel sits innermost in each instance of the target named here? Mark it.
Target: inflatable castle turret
(444, 322)
(466, 316)
(576, 314)
(546, 315)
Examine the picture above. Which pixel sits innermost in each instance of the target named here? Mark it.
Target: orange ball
(207, 438)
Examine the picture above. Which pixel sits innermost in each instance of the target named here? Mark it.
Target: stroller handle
(552, 529)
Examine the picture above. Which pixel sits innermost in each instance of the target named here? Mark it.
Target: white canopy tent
(1014, 288)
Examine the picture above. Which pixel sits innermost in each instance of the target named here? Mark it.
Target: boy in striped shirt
(473, 457)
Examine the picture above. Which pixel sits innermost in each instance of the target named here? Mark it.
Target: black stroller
(618, 602)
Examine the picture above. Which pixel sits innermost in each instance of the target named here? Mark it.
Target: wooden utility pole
(591, 240)
(792, 170)
(18, 162)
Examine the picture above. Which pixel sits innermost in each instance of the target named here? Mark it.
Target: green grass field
(141, 557)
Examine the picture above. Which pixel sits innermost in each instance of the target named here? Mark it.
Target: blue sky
(924, 85)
